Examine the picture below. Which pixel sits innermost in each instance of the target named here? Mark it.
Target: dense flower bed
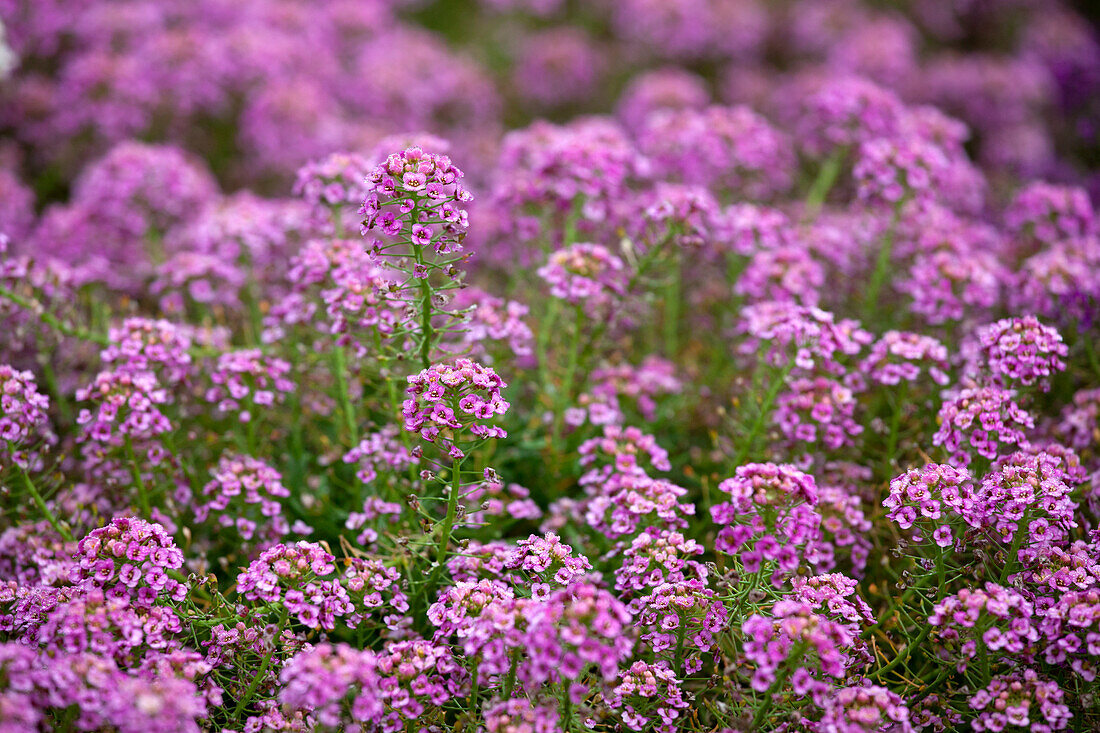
(342, 389)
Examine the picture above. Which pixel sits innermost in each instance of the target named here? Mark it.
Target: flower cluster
(127, 407)
(865, 708)
(818, 411)
(24, 424)
(901, 356)
(1050, 213)
(770, 519)
(586, 275)
(618, 450)
(147, 345)
(1028, 495)
(416, 195)
(844, 528)
(192, 281)
(340, 293)
(333, 182)
(795, 634)
(292, 577)
(810, 337)
(447, 399)
(376, 512)
(372, 585)
(723, 148)
(993, 620)
(890, 171)
(648, 689)
(625, 502)
(131, 559)
(933, 498)
(383, 450)
(669, 88)
(519, 715)
(249, 377)
(405, 681)
(549, 560)
(1022, 351)
(93, 622)
(104, 695)
(240, 481)
(643, 384)
(574, 628)
(549, 167)
(786, 273)
(1022, 700)
(656, 557)
(682, 620)
(834, 595)
(981, 420)
(943, 286)
(1079, 420)
(323, 678)
(846, 112)
(490, 322)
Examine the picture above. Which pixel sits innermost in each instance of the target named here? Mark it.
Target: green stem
(452, 511)
(762, 416)
(542, 344)
(565, 396)
(672, 309)
(139, 482)
(340, 371)
(44, 508)
(197, 590)
(826, 179)
(566, 707)
(909, 592)
(899, 401)
(510, 680)
(944, 674)
(882, 264)
(1090, 351)
(1013, 558)
(473, 696)
(569, 233)
(38, 310)
(780, 680)
(250, 427)
(247, 697)
(903, 657)
(59, 397)
(406, 439)
(427, 336)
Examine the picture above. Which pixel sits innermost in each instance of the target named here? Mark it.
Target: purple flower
(445, 400)
(1020, 699)
(982, 421)
(413, 185)
(730, 149)
(24, 424)
(1000, 621)
(770, 522)
(1021, 351)
(864, 709)
(586, 275)
(644, 689)
(128, 557)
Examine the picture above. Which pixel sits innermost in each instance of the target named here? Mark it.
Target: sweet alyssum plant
(664, 480)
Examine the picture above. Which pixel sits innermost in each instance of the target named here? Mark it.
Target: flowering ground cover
(525, 366)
